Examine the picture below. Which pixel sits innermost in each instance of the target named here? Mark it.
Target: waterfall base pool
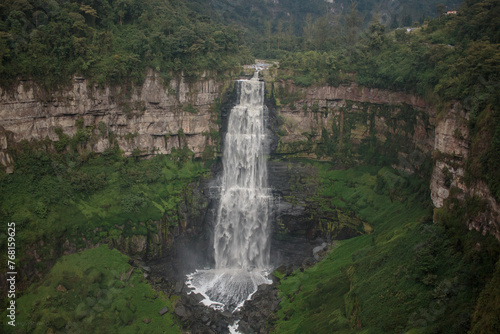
(226, 289)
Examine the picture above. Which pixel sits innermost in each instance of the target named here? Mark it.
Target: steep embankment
(409, 275)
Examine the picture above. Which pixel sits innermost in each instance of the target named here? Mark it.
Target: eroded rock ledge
(153, 118)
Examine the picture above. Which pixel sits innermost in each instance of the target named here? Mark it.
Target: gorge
(398, 125)
(352, 185)
(404, 121)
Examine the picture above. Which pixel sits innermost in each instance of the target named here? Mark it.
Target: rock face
(342, 123)
(153, 118)
(257, 315)
(451, 149)
(349, 120)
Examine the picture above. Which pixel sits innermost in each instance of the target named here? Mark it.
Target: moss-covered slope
(95, 291)
(408, 275)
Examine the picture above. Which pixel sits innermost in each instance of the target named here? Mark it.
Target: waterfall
(241, 236)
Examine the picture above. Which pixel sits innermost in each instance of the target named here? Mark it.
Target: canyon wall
(149, 119)
(449, 178)
(340, 124)
(347, 124)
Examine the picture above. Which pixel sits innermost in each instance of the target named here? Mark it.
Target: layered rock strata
(451, 150)
(398, 123)
(153, 118)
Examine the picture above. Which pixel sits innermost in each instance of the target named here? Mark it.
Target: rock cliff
(152, 118)
(346, 122)
(449, 177)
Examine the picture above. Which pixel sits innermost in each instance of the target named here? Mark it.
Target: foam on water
(226, 289)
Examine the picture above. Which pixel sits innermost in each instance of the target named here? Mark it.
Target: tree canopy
(111, 41)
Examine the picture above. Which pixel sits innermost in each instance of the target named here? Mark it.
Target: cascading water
(241, 233)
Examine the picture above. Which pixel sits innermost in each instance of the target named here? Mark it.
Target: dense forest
(426, 275)
(111, 41)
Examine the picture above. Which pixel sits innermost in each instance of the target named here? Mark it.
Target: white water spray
(241, 233)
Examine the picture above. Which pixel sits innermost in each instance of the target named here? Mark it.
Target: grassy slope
(64, 200)
(405, 275)
(93, 292)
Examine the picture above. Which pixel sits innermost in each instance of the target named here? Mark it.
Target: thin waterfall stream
(241, 235)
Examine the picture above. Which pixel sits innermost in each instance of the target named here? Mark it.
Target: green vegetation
(323, 217)
(84, 198)
(409, 274)
(112, 42)
(59, 194)
(95, 291)
(273, 28)
(445, 56)
(116, 41)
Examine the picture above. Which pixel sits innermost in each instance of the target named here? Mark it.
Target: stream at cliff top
(241, 235)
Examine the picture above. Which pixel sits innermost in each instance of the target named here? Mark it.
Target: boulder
(163, 311)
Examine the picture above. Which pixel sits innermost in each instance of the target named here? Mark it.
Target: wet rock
(182, 312)
(257, 315)
(227, 314)
(243, 327)
(196, 297)
(222, 326)
(179, 286)
(199, 319)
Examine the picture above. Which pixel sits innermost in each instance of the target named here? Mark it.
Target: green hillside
(409, 276)
(95, 291)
